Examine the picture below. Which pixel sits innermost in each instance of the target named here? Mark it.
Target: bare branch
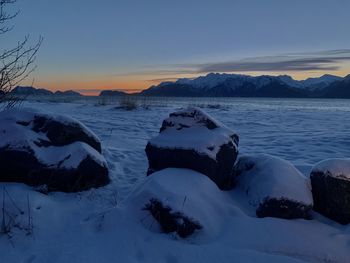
(16, 63)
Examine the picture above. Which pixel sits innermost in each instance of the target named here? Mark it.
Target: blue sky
(133, 44)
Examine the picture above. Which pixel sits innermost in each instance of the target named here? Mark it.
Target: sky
(130, 45)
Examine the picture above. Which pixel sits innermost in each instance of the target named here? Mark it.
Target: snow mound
(334, 167)
(184, 191)
(272, 183)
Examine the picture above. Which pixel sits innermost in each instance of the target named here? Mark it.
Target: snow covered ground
(96, 226)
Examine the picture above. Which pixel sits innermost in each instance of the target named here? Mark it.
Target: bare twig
(3, 222)
(16, 63)
(30, 222)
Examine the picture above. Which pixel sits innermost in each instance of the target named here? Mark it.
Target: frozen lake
(303, 131)
(102, 225)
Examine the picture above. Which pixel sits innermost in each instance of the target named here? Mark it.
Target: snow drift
(274, 186)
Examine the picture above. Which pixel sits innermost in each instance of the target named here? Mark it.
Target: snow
(71, 155)
(99, 226)
(195, 135)
(334, 167)
(265, 176)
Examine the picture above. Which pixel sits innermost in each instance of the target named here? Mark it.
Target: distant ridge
(31, 91)
(112, 93)
(67, 93)
(236, 85)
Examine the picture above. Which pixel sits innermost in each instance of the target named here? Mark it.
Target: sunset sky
(131, 45)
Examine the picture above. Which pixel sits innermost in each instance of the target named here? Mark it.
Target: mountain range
(236, 85)
(229, 85)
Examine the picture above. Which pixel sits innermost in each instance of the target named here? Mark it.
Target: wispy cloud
(324, 60)
(162, 80)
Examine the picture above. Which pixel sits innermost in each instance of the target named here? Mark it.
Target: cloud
(163, 70)
(162, 80)
(324, 60)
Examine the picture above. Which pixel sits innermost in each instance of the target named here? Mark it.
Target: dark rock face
(23, 166)
(331, 196)
(209, 157)
(283, 208)
(88, 174)
(218, 170)
(56, 152)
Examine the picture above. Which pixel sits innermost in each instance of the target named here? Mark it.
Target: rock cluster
(53, 151)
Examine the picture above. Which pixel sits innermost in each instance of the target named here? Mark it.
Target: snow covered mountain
(310, 83)
(339, 89)
(236, 85)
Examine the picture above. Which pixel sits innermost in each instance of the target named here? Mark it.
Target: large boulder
(330, 180)
(274, 187)
(192, 139)
(179, 201)
(51, 150)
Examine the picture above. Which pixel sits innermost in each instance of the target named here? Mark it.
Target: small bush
(171, 221)
(127, 103)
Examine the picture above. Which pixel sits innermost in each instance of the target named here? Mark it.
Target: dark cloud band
(324, 60)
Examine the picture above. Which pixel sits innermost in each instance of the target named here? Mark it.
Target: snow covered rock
(52, 150)
(61, 131)
(274, 186)
(330, 181)
(192, 139)
(188, 194)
